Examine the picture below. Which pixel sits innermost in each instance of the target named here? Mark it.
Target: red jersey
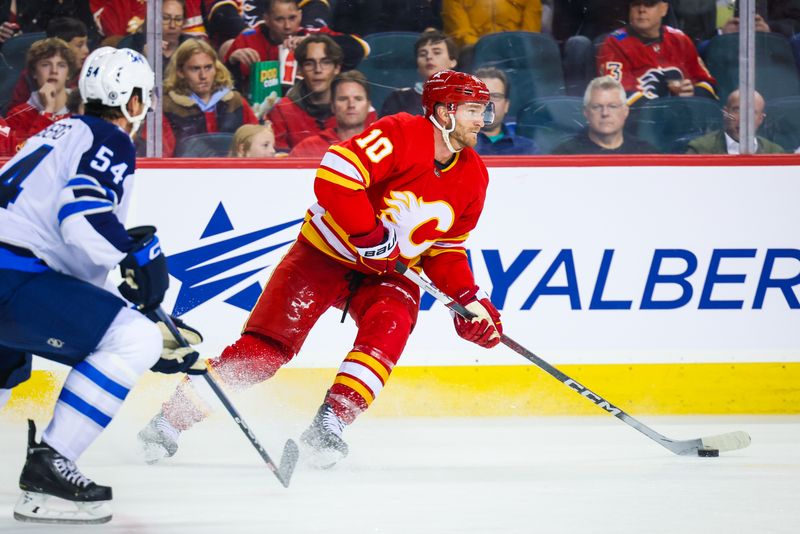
(120, 17)
(8, 141)
(316, 145)
(27, 120)
(389, 173)
(644, 68)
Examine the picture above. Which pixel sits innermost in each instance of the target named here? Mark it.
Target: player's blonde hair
(604, 83)
(187, 49)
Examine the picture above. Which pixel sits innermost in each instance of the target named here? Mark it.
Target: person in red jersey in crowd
(51, 63)
(8, 141)
(282, 27)
(306, 109)
(653, 60)
(369, 214)
(117, 18)
(351, 107)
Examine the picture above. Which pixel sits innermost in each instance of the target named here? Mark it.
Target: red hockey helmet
(452, 88)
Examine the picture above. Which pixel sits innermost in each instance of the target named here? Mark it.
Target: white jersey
(63, 197)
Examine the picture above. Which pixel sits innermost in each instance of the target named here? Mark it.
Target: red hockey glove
(485, 328)
(377, 250)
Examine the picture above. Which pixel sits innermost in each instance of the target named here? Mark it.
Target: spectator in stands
(364, 17)
(497, 138)
(28, 16)
(74, 33)
(726, 141)
(351, 107)
(281, 26)
(199, 96)
(173, 17)
(51, 63)
(116, 19)
(8, 141)
(306, 108)
(467, 20)
(653, 60)
(253, 141)
(434, 51)
(606, 109)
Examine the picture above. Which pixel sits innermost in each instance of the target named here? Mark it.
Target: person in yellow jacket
(467, 20)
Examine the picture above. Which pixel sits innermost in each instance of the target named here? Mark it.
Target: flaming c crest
(410, 215)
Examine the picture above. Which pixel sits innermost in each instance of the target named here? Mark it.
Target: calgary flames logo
(418, 223)
(653, 83)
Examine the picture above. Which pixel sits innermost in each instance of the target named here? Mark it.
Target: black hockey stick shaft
(283, 472)
(676, 447)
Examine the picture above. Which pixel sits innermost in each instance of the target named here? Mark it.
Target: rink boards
(668, 285)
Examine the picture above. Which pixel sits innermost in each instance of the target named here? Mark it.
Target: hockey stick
(290, 451)
(730, 441)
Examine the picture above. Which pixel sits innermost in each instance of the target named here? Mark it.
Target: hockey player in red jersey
(653, 60)
(407, 189)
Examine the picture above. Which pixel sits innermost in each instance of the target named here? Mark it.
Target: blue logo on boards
(196, 269)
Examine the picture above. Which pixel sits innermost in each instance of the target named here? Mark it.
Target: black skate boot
(159, 439)
(324, 438)
(47, 474)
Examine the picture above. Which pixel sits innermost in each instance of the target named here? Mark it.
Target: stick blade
(731, 441)
(291, 453)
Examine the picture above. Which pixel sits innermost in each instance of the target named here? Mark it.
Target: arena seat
(391, 64)
(776, 73)
(531, 61)
(782, 123)
(15, 49)
(670, 123)
(206, 145)
(551, 120)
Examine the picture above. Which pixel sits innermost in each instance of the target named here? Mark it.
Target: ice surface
(520, 475)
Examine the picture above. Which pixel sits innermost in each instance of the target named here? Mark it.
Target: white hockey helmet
(110, 75)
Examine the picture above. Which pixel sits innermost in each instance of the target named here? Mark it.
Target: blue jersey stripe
(68, 397)
(90, 372)
(79, 206)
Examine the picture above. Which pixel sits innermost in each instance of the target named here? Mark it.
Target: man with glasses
(282, 28)
(726, 141)
(306, 108)
(498, 138)
(653, 60)
(605, 109)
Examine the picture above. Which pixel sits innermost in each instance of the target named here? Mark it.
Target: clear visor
(475, 111)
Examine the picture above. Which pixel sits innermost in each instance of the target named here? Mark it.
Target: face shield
(475, 111)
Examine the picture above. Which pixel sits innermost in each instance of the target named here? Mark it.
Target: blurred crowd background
(287, 78)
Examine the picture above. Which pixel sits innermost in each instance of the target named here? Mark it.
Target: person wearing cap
(653, 60)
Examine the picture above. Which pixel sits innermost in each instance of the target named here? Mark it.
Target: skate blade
(35, 507)
(321, 458)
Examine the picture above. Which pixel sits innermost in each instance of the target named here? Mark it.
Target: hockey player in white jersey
(63, 201)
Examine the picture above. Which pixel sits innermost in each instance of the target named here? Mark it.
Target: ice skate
(55, 491)
(158, 440)
(323, 439)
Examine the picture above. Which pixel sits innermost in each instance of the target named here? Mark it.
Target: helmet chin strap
(447, 131)
(135, 121)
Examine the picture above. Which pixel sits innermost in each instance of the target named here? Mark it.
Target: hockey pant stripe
(83, 407)
(116, 389)
(372, 363)
(364, 375)
(356, 386)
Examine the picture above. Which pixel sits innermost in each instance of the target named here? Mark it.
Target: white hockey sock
(95, 388)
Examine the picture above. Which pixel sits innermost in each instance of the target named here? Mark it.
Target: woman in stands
(199, 96)
(51, 63)
(253, 141)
